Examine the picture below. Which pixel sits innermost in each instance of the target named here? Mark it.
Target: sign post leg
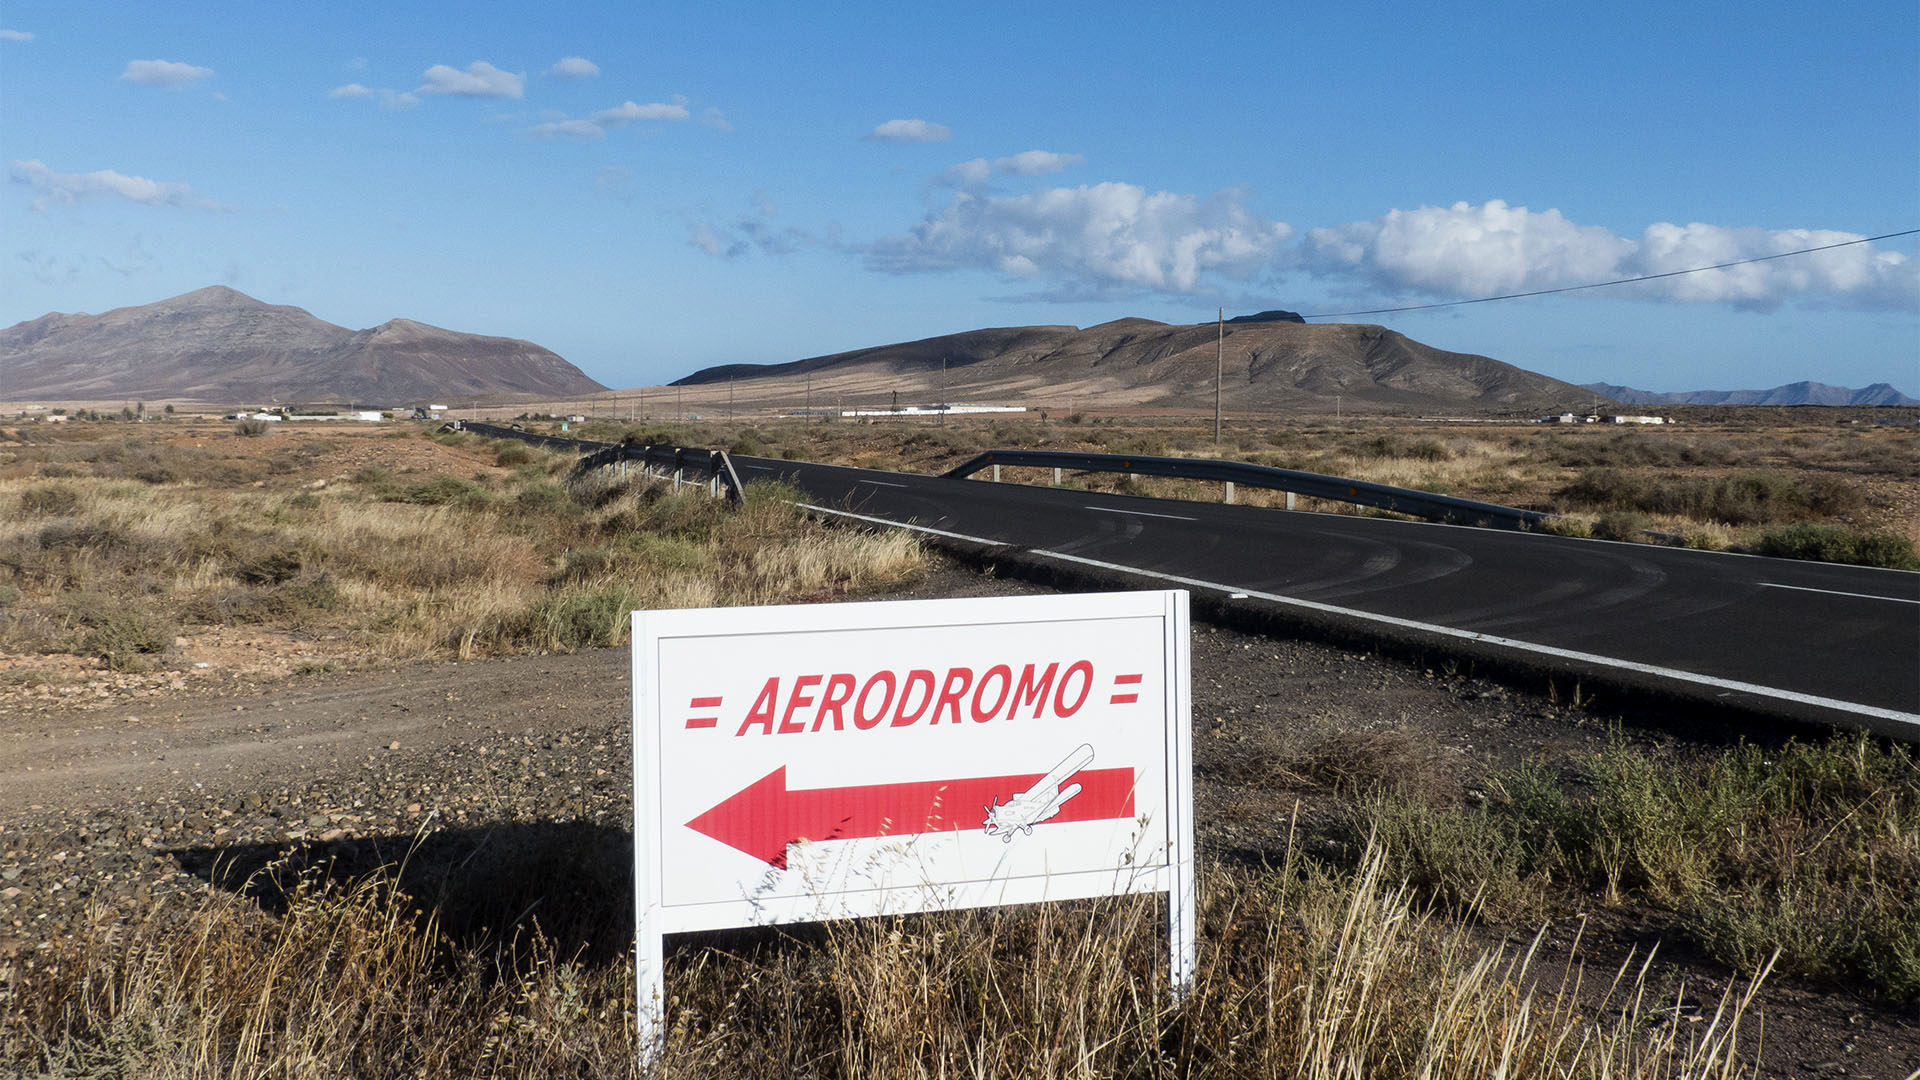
(1181, 898)
(650, 988)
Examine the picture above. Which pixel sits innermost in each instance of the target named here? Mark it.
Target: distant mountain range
(1800, 393)
(219, 345)
(1269, 361)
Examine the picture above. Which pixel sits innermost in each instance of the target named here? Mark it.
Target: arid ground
(138, 776)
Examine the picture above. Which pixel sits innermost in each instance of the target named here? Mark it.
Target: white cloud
(574, 67)
(481, 80)
(973, 175)
(752, 232)
(611, 180)
(967, 175)
(1465, 251)
(351, 90)
(396, 99)
(1035, 163)
(15, 35)
(1107, 236)
(168, 73)
(715, 119)
(906, 131)
(627, 112)
(584, 130)
(595, 126)
(68, 188)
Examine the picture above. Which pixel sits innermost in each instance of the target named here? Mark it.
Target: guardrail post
(1056, 476)
(996, 474)
(676, 477)
(1229, 493)
(713, 486)
(1289, 500)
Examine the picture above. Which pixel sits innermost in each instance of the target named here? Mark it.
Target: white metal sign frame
(804, 763)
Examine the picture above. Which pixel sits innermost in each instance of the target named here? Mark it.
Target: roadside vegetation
(1790, 488)
(1810, 850)
(1304, 971)
(112, 549)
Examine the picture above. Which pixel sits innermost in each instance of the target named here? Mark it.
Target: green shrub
(271, 567)
(1387, 446)
(1620, 525)
(1813, 849)
(509, 454)
(51, 500)
(379, 482)
(446, 490)
(95, 535)
(1561, 525)
(541, 497)
(1839, 544)
(1750, 498)
(581, 617)
(127, 636)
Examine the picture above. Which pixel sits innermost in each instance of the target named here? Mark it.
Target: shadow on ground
(571, 879)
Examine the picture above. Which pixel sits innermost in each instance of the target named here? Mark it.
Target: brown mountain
(219, 345)
(1271, 361)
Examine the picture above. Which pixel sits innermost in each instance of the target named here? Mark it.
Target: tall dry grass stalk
(1304, 973)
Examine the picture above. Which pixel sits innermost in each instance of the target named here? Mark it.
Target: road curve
(1813, 641)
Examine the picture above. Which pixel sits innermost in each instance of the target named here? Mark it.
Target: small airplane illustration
(1039, 802)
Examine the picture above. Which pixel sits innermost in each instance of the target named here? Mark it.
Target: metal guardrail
(1423, 504)
(673, 462)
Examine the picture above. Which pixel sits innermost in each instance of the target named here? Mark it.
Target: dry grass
(1717, 481)
(385, 564)
(1304, 972)
(1807, 850)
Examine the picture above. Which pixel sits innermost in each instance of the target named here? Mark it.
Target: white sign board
(839, 760)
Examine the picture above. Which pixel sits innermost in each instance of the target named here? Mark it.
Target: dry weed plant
(1304, 972)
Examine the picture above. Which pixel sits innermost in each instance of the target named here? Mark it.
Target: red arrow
(762, 818)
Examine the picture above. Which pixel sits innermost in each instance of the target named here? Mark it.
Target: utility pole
(809, 393)
(943, 391)
(1219, 352)
(729, 397)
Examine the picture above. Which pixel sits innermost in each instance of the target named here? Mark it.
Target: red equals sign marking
(703, 703)
(1125, 680)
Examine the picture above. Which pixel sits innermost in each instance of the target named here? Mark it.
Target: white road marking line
(1837, 592)
(761, 468)
(1139, 513)
(1433, 628)
(879, 483)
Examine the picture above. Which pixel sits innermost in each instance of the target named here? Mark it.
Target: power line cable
(1618, 281)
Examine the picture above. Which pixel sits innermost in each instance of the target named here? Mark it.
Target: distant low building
(1636, 419)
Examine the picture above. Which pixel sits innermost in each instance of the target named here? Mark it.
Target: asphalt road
(1836, 644)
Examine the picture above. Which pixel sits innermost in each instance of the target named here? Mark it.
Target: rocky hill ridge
(220, 345)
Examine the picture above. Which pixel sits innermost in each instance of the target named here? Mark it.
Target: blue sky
(649, 189)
